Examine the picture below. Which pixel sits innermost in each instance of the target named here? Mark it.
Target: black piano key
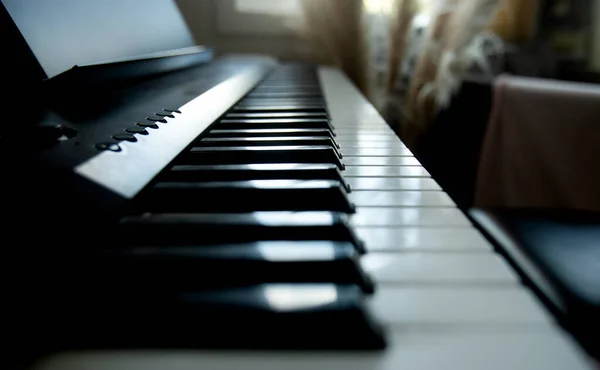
(280, 107)
(172, 111)
(300, 84)
(266, 316)
(248, 196)
(156, 119)
(289, 86)
(275, 109)
(222, 228)
(291, 95)
(126, 137)
(269, 141)
(287, 93)
(240, 172)
(281, 102)
(272, 132)
(312, 95)
(286, 316)
(277, 115)
(165, 114)
(137, 130)
(274, 123)
(250, 121)
(178, 268)
(148, 125)
(258, 154)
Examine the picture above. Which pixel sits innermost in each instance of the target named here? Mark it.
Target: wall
(596, 38)
(213, 23)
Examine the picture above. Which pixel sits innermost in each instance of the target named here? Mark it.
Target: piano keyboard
(295, 224)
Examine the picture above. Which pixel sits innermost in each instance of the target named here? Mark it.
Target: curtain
(454, 42)
(516, 20)
(459, 34)
(334, 29)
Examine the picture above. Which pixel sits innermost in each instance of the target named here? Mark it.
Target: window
(257, 17)
(269, 7)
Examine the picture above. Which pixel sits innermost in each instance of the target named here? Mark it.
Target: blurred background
(407, 54)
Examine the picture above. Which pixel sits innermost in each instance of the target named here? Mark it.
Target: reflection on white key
(422, 239)
(381, 161)
(399, 305)
(385, 171)
(401, 199)
(369, 144)
(364, 130)
(362, 136)
(377, 152)
(409, 216)
(438, 268)
(541, 347)
(287, 297)
(390, 183)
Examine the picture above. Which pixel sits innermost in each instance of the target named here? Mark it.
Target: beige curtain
(333, 27)
(337, 30)
(516, 20)
(401, 20)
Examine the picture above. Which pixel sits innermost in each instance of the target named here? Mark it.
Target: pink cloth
(542, 146)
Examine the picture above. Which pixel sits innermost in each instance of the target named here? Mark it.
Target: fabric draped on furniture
(541, 147)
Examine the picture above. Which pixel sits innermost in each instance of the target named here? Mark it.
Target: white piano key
(385, 171)
(345, 131)
(541, 347)
(401, 239)
(408, 216)
(377, 152)
(422, 304)
(380, 161)
(365, 198)
(452, 347)
(364, 137)
(361, 126)
(370, 144)
(438, 268)
(392, 183)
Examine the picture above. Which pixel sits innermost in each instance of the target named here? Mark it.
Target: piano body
(247, 213)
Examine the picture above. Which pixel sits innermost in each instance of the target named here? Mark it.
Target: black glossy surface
(156, 119)
(267, 141)
(278, 109)
(292, 316)
(193, 276)
(147, 124)
(211, 228)
(109, 146)
(280, 102)
(257, 154)
(137, 130)
(321, 132)
(271, 141)
(125, 137)
(248, 196)
(276, 115)
(98, 112)
(238, 172)
(565, 246)
(178, 268)
(229, 124)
